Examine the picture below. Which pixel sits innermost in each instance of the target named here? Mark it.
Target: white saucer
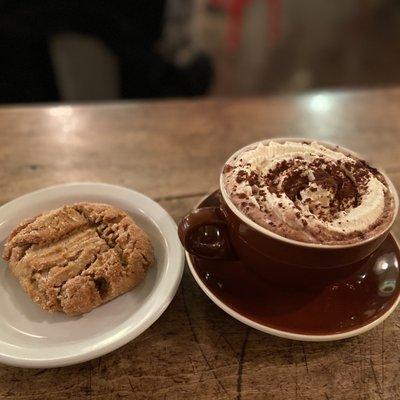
(30, 337)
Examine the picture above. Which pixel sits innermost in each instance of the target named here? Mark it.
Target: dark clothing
(129, 28)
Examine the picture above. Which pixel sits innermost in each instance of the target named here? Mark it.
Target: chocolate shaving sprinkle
(325, 188)
(241, 176)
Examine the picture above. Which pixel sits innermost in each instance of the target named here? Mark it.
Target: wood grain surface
(173, 152)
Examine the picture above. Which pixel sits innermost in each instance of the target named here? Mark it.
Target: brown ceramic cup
(224, 233)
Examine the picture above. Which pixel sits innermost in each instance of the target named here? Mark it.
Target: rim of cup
(274, 235)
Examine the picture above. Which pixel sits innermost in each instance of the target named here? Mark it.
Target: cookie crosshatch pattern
(78, 257)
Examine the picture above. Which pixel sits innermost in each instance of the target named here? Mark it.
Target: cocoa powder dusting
(336, 186)
(228, 168)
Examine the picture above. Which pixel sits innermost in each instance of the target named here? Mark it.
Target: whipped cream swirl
(309, 192)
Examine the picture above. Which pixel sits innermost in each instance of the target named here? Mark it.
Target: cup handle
(204, 233)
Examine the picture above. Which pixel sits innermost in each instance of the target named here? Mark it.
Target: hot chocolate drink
(309, 192)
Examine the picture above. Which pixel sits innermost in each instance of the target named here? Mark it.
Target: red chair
(235, 9)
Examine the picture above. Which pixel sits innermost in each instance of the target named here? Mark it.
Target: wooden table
(173, 151)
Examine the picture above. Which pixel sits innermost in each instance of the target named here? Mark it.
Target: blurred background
(68, 50)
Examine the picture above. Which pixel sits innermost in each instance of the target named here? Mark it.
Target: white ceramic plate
(30, 337)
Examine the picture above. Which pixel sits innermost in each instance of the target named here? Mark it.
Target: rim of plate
(282, 333)
(170, 286)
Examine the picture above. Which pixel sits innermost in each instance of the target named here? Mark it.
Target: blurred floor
(324, 44)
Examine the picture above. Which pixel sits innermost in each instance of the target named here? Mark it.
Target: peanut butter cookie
(78, 257)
